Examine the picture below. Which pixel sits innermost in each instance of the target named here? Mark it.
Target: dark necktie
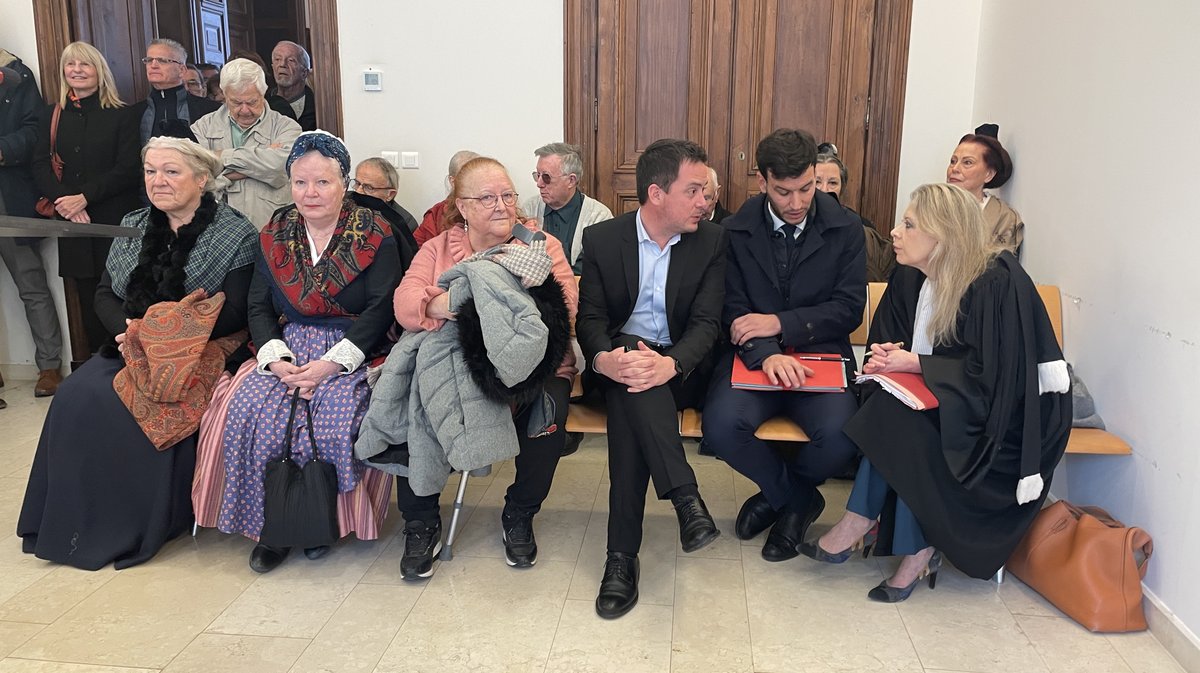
(789, 240)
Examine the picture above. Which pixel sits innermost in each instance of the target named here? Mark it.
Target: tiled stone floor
(198, 607)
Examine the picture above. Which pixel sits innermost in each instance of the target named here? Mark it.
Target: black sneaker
(520, 547)
(421, 546)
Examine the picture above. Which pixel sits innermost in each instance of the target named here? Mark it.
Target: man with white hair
(165, 64)
(712, 197)
(291, 65)
(562, 210)
(253, 142)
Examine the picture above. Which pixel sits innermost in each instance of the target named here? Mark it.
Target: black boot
(788, 532)
(619, 588)
(755, 516)
(696, 526)
(264, 559)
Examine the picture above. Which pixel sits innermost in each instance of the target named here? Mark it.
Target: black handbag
(300, 507)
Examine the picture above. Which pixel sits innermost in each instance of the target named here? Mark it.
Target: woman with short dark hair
(980, 162)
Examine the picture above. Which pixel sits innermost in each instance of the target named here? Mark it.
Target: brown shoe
(47, 383)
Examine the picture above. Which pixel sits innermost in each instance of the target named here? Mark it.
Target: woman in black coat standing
(97, 141)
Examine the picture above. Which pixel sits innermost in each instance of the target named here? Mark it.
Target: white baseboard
(1175, 637)
(19, 372)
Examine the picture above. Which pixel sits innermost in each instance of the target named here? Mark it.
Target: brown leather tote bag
(1088, 564)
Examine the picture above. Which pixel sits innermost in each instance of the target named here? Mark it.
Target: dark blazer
(307, 119)
(20, 109)
(197, 108)
(828, 287)
(608, 288)
(101, 154)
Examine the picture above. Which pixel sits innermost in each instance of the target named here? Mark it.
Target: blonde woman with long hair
(95, 137)
(963, 480)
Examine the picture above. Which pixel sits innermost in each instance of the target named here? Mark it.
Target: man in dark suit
(796, 278)
(166, 61)
(649, 310)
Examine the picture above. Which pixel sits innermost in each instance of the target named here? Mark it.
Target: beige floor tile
(480, 615)
(357, 635)
(218, 653)
(636, 643)
(50, 597)
(1022, 600)
(282, 607)
(964, 624)
(19, 571)
(711, 626)
(808, 616)
(1069, 648)
(15, 634)
(1143, 653)
(33, 666)
(146, 615)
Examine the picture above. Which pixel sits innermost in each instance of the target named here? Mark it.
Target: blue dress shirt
(649, 317)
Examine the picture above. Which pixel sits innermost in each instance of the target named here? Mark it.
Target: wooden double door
(725, 73)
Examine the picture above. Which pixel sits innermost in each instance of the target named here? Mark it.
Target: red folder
(829, 374)
(907, 387)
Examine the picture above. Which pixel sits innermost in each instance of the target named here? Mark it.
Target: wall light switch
(410, 160)
(392, 158)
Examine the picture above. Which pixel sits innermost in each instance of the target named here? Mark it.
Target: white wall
(1091, 97)
(16, 346)
(939, 92)
(472, 74)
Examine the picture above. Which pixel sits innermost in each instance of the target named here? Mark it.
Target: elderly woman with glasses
(253, 142)
(482, 214)
(319, 310)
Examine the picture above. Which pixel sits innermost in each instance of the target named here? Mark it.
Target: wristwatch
(678, 367)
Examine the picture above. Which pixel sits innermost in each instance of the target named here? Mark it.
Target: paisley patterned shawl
(312, 289)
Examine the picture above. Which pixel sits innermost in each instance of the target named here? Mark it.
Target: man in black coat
(165, 63)
(20, 109)
(795, 279)
(649, 312)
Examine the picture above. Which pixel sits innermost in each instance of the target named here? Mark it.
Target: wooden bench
(591, 418)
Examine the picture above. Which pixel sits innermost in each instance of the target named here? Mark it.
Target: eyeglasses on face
(544, 178)
(489, 200)
(360, 186)
(159, 60)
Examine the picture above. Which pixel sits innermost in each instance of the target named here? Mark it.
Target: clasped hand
(640, 369)
(754, 326)
(305, 377)
(73, 207)
(891, 357)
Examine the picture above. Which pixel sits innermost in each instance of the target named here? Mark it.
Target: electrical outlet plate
(392, 158)
(410, 160)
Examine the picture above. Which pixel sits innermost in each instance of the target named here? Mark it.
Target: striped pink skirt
(360, 511)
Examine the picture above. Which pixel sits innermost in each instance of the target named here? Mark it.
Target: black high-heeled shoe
(886, 593)
(813, 550)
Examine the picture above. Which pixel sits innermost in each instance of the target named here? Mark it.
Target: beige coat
(591, 212)
(1005, 224)
(261, 159)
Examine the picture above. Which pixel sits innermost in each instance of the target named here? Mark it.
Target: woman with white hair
(253, 142)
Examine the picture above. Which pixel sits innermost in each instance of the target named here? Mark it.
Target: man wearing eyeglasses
(169, 99)
(291, 64)
(376, 177)
(563, 211)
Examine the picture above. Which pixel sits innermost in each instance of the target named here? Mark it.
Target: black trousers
(644, 445)
(731, 416)
(535, 463)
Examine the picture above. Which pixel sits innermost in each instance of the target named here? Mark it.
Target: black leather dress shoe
(314, 553)
(788, 532)
(264, 559)
(619, 587)
(755, 516)
(696, 526)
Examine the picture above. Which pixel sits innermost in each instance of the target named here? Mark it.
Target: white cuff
(1053, 377)
(1029, 488)
(346, 354)
(273, 351)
